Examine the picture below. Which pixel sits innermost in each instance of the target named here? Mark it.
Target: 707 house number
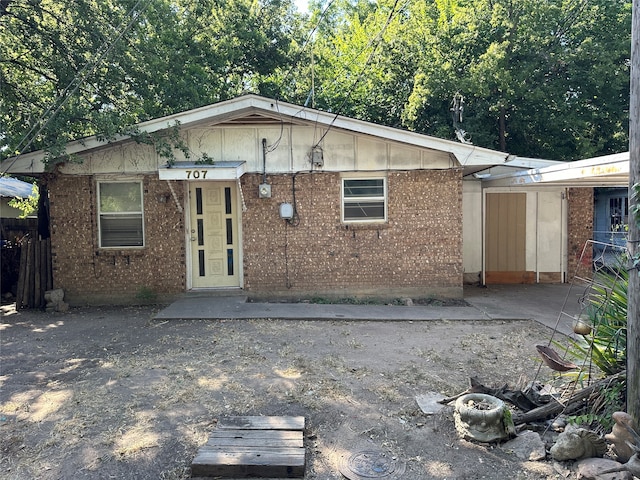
(196, 174)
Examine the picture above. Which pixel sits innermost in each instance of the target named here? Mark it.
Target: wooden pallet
(241, 447)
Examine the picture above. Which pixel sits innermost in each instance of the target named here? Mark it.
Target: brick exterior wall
(418, 252)
(580, 230)
(90, 275)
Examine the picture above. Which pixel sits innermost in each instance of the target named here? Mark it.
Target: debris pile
(536, 427)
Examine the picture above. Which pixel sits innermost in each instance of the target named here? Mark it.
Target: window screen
(120, 214)
(364, 199)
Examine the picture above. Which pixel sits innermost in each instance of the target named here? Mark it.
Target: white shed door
(214, 234)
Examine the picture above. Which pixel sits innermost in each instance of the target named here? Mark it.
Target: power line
(376, 38)
(307, 41)
(362, 71)
(296, 63)
(75, 83)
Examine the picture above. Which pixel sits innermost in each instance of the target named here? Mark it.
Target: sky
(302, 5)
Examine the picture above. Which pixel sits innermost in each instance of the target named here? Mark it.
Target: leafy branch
(166, 143)
(26, 205)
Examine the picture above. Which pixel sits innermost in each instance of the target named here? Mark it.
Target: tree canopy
(95, 67)
(545, 79)
(535, 78)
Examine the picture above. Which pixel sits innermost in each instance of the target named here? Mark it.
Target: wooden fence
(35, 276)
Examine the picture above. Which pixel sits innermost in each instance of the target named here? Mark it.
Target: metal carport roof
(610, 170)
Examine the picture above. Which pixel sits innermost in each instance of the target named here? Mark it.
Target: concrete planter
(482, 417)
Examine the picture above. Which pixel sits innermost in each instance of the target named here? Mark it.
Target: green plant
(26, 205)
(606, 346)
(164, 142)
(609, 337)
(146, 294)
(205, 159)
(507, 420)
(597, 415)
(167, 142)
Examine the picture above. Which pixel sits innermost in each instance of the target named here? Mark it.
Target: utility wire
(296, 63)
(307, 41)
(75, 83)
(362, 71)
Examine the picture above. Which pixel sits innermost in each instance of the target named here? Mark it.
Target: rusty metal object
(581, 326)
(551, 358)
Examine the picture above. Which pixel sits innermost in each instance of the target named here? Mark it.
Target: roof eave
(466, 155)
(610, 170)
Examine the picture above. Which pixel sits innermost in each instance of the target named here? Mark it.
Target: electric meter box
(286, 211)
(264, 190)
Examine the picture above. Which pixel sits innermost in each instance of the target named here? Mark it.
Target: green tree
(84, 67)
(364, 61)
(27, 206)
(50, 92)
(539, 78)
(547, 79)
(197, 52)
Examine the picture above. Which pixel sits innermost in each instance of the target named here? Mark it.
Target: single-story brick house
(282, 200)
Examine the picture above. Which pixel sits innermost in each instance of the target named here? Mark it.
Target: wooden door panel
(505, 240)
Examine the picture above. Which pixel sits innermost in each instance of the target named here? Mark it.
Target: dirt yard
(113, 393)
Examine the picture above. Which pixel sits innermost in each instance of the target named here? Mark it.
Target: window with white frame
(364, 199)
(120, 220)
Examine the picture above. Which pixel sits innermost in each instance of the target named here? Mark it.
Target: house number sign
(218, 171)
(195, 174)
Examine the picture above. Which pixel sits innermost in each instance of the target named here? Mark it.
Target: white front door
(214, 235)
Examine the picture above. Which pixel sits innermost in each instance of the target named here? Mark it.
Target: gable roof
(253, 109)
